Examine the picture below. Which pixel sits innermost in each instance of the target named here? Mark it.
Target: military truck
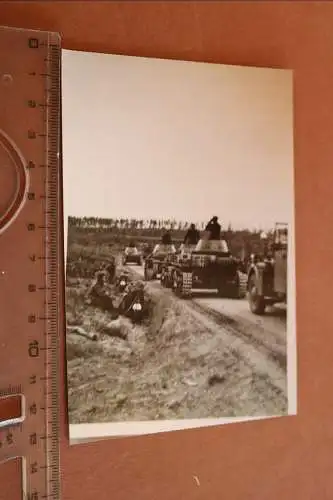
(267, 272)
(207, 266)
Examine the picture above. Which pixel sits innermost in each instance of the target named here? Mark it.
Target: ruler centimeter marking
(29, 359)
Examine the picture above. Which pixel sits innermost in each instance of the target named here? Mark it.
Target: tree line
(241, 242)
(133, 223)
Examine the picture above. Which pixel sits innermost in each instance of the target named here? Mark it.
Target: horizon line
(224, 226)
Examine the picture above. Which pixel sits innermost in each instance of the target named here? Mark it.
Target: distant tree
(132, 223)
(229, 232)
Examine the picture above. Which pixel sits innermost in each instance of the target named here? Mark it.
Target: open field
(241, 242)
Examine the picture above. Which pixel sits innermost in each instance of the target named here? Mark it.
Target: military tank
(207, 266)
(132, 255)
(156, 261)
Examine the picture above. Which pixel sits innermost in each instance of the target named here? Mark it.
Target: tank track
(183, 289)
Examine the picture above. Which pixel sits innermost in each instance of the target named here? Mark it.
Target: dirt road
(198, 358)
(259, 341)
(270, 328)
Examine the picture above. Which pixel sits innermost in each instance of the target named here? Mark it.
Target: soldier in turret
(166, 245)
(192, 236)
(214, 229)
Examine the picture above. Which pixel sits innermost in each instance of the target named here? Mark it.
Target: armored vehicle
(132, 255)
(182, 255)
(209, 265)
(267, 273)
(154, 263)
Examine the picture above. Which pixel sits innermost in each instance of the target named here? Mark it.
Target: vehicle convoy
(207, 265)
(182, 254)
(162, 252)
(146, 250)
(267, 273)
(155, 262)
(132, 255)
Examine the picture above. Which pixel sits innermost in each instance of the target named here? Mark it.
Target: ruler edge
(54, 34)
(51, 38)
(59, 264)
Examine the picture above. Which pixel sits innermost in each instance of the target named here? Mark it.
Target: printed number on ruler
(29, 282)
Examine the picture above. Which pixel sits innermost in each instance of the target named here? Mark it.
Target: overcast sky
(162, 139)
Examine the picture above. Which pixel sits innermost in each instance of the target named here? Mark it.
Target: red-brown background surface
(286, 458)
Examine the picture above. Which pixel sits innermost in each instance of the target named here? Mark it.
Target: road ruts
(269, 330)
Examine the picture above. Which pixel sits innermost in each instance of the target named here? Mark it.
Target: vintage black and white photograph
(180, 260)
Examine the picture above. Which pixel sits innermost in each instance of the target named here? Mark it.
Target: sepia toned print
(179, 243)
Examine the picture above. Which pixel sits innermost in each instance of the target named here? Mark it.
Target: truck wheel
(256, 301)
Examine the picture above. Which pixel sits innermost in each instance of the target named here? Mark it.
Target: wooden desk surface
(285, 458)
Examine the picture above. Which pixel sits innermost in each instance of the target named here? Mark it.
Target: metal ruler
(30, 246)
